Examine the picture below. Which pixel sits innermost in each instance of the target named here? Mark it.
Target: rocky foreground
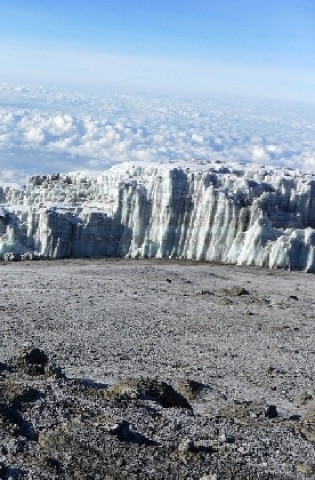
(115, 369)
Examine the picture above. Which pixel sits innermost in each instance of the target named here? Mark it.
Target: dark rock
(293, 297)
(55, 465)
(3, 367)
(295, 417)
(14, 473)
(36, 356)
(271, 411)
(227, 438)
(3, 470)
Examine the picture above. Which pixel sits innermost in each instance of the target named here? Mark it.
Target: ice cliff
(216, 212)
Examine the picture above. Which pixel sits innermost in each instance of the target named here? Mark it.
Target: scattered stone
(302, 399)
(306, 468)
(235, 291)
(187, 445)
(307, 431)
(224, 301)
(243, 450)
(295, 417)
(276, 371)
(238, 291)
(224, 438)
(310, 413)
(122, 430)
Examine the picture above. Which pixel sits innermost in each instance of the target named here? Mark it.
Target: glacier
(205, 211)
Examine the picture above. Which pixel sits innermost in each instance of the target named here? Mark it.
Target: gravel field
(147, 369)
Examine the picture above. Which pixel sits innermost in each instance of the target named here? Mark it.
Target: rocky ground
(113, 369)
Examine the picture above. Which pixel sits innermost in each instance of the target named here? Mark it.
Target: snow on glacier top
(139, 173)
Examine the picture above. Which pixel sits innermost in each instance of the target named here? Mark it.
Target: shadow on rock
(191, 389)
(13, 421)
(147, 389)
(123, 432)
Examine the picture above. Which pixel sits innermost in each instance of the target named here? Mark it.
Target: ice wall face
(224, 213)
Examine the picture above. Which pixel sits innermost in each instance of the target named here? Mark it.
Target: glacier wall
(215, 212)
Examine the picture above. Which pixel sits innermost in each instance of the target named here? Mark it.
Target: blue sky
(217, 46)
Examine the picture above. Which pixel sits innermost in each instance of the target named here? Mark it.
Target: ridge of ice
(229, 213)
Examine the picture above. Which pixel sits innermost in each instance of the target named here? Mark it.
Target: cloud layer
(44, 131)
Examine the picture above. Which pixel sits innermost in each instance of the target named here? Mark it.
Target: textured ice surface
(227, 213)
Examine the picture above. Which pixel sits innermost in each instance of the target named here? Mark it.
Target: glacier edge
(227, 213)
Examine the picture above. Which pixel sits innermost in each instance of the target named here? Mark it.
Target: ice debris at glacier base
(228, 213)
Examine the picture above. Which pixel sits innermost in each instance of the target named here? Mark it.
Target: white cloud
(260, 154)
(309, 161)
(8, 176)
(35, 136)
(43, 131)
